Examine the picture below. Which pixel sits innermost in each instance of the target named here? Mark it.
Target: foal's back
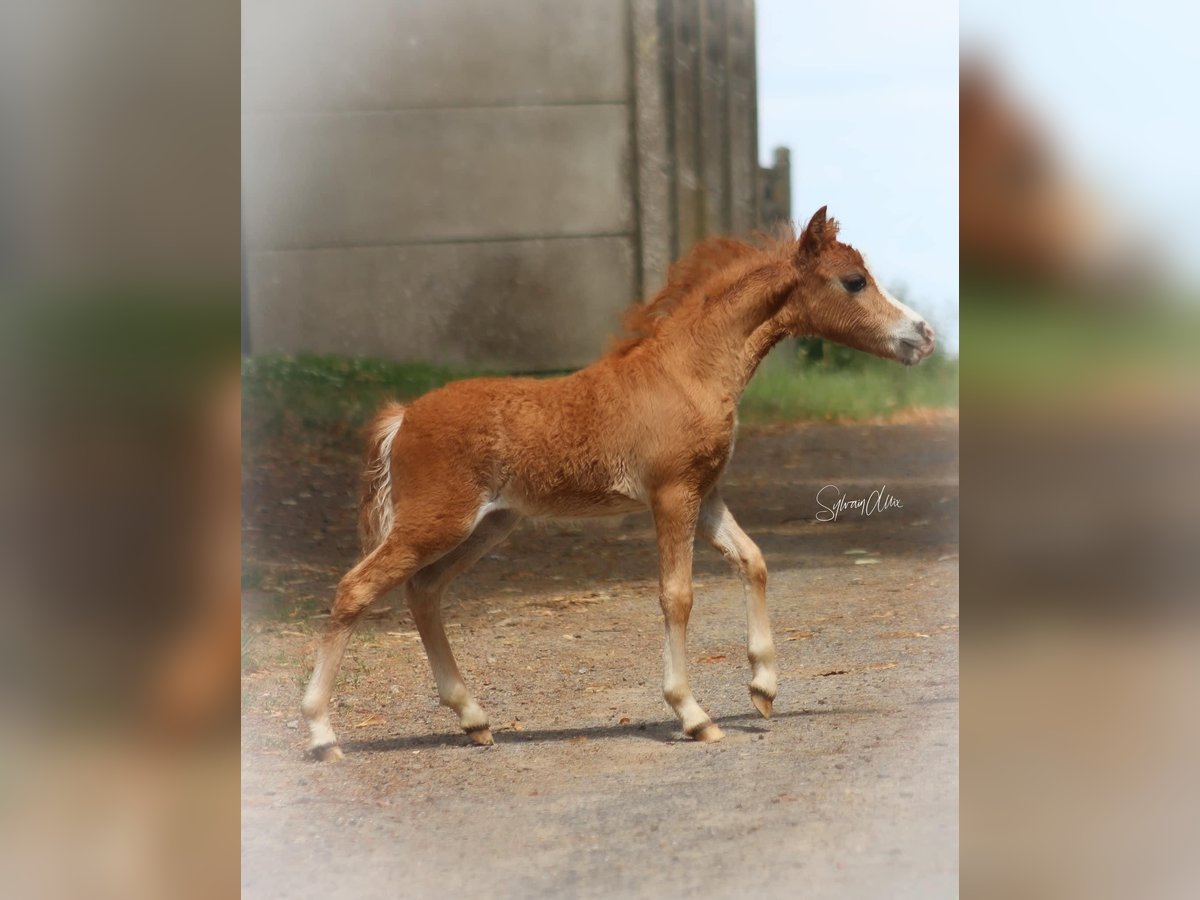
(591, 443)
(562, 446)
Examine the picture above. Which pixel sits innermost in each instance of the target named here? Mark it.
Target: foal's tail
(377, 509)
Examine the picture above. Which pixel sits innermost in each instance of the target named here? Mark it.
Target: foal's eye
(854, 284)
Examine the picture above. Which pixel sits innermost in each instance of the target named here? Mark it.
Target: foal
(651, 424)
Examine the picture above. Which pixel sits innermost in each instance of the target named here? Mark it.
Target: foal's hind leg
(718, 527)
(379, 571)
(424, 591)
(402, 553)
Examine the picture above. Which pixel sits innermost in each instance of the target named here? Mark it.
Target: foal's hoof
(482, 735)
(762, 701)
(708, 733)
(327, 753)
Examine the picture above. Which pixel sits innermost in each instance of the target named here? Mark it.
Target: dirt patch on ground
(850, 790)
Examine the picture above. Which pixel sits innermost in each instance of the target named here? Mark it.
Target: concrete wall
(480, 182)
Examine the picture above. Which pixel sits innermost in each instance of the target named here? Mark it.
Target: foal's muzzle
(916, 344)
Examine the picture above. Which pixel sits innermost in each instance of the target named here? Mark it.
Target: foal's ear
(816, 235)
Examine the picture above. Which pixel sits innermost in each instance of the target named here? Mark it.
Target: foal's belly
(572, 505)
(550, 486)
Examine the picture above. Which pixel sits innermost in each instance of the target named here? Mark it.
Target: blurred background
(1078, 226)
(119, 455)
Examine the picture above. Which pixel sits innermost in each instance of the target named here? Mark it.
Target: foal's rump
(424, 463)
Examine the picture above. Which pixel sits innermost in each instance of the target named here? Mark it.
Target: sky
(865, 95)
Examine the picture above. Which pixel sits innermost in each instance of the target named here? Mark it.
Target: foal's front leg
(675, 514)
(719, 528)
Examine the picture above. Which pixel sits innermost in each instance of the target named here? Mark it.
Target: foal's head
(840, 299)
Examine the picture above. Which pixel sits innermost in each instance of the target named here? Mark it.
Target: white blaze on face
(907, 325)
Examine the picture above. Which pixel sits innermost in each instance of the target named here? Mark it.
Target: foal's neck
(745, 322)
(758, 345)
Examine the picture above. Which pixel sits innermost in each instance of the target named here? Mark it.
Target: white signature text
(833, 503)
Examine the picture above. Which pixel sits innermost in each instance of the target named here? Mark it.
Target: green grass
(1042, 345)
(324, 401)
(787, 389)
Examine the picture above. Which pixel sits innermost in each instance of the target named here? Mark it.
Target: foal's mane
(710, 260)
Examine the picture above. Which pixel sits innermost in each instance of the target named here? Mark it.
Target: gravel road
(850, 790)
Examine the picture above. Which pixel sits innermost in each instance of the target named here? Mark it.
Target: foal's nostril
(925, 330)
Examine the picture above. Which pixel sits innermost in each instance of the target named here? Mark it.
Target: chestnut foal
(651, 424)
